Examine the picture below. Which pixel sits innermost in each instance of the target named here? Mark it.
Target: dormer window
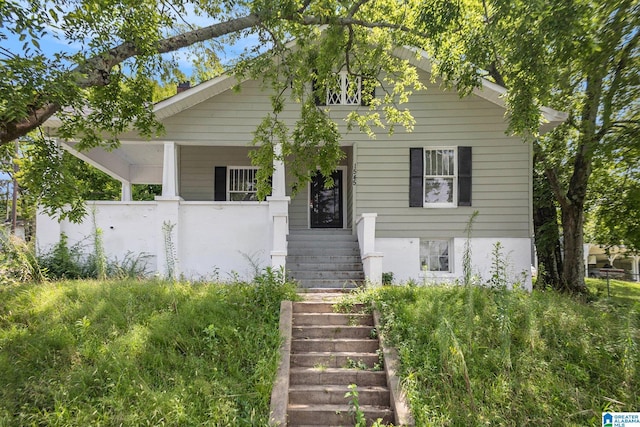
(348, 90)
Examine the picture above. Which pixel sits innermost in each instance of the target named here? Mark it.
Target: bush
(18, 262)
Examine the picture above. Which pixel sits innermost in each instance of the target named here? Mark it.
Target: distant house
(407, 197)
(615, 258)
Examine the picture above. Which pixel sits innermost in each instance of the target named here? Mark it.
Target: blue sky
(53, 42)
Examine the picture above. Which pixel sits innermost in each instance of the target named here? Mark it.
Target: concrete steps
(324, 258)
(330, 351)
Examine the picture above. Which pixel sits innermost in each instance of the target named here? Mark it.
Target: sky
(53, 42)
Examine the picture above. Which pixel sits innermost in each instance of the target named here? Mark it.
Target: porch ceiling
(133, 161)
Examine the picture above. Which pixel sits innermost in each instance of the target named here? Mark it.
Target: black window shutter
(416, 177)
(220, 184)
(464, 176)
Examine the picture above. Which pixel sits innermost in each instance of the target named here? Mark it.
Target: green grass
(157, 353)
(473, 356)
(621, 291)
(138, 353)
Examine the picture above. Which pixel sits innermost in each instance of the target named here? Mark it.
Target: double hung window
(242, 184)
(440, 177)
(434, 255)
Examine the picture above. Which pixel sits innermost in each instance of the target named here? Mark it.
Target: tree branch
(95, 71)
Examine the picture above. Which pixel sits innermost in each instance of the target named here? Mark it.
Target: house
(623, 262)
(408, 197)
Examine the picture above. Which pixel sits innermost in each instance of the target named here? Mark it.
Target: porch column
(371, 260)
(279, 211)
(168, 217)
(278, 181)
(126, 192)
(635, 270)
(169, 170)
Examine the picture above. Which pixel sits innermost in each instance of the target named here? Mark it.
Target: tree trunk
(573, 266)
(547, 233)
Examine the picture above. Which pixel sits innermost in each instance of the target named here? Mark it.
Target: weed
(99, 257)
(356, 364)
(373, 334)
(354, 406)
(387, 278)
(379, 365)
(356, 411)
(18, 262)
(138, 353)
(471, 349)
(169, 250)
(320, 366)
(466, 257)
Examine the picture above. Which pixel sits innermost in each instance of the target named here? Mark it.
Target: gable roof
(489, 91)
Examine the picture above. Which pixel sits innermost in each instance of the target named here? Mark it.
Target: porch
(198, 227)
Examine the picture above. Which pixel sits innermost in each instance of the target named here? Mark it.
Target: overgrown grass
(139, 353)
(473, 356)
(621, 291)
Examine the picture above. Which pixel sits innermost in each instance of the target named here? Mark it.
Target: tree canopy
(576, 56)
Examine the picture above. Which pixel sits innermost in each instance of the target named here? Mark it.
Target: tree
(578, 56)
(598, 85)
(613, 213)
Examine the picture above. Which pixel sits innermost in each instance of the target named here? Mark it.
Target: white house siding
(210, 239)
(401, 256)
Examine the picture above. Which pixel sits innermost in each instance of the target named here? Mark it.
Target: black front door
(326, 203)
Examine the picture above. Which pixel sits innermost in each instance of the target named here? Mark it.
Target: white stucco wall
(220, 236)
(402, 257)
(126, 228)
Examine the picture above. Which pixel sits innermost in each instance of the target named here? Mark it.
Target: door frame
(343, 202)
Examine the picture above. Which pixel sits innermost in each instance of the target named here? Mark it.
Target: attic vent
(183, 86)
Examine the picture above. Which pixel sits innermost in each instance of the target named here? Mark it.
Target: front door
(326, 203)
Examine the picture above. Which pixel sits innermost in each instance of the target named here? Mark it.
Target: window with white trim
(434, 255)
(347, 91)
(242, 184)
(440, 177)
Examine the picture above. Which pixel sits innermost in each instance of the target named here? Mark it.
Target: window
(242, 184)
(440, 177)
(346, 92)
(434, 255)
